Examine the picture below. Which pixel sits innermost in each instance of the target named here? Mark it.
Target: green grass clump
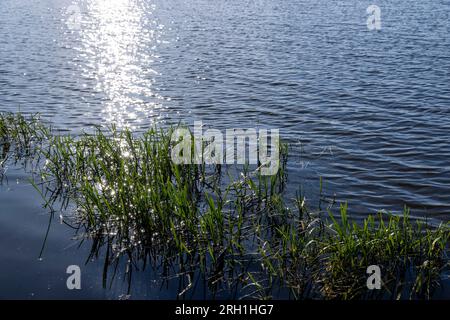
(131, 197)
(404, 249)
(229, 225)
(19, 136)
(328, 258)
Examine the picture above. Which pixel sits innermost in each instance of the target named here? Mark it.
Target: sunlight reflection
(118, 42)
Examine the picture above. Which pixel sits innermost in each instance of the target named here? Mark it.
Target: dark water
(369, 111)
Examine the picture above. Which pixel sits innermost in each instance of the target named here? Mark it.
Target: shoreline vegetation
(227, 225)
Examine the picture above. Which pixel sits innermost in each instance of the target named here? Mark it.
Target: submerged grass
(20, 136)
(230, 226)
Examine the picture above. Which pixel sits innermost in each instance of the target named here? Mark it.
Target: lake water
(366, 110)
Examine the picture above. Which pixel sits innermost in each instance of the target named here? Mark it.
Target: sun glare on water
(115, 39)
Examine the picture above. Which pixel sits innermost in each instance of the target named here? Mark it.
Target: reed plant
(230, 224)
